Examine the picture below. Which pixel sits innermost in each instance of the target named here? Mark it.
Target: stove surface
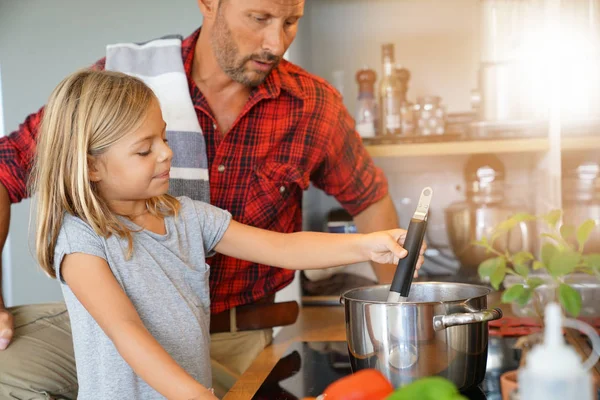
(307, 368)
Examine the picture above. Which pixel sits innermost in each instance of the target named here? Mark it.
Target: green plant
(561, 254)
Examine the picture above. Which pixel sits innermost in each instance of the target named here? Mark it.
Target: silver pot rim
(485, 291)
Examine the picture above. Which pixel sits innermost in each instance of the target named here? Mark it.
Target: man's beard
(227, 53)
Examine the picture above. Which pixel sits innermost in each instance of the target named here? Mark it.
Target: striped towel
(159, 64)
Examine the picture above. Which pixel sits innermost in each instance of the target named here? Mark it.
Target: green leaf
(548, 252)
(518, 294)
(522, 257)
(553, 217)
(563, 263)
(537, 265)
(507, 225)
(567, 231)
(513, 293)
(487, 268)
(524, 298)
(570, 299)
(593, 261)
(522, 270)
(494, 269)
(535, 282)
(552, 236)
(499, 274)
(584, 231)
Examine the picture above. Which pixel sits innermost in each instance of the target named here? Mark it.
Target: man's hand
(6, 328)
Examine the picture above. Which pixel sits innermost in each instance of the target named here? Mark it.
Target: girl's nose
(166, 154)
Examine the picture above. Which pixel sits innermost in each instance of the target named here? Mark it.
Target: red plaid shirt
(293, 130)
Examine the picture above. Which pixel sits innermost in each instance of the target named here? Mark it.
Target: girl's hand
(386, 247)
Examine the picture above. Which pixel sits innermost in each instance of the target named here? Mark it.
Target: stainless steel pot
(441, 330)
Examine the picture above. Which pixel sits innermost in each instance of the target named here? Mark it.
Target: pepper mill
(366, 108)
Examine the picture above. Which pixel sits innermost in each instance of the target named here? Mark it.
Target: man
(270, 129)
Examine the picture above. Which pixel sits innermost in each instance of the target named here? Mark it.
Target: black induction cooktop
(307, 368)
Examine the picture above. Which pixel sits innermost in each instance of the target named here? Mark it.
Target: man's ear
(209, 8)
(93, 169)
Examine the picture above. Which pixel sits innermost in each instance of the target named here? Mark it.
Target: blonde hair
(86, 114)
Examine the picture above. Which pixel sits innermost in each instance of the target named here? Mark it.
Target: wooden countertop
(314, 324)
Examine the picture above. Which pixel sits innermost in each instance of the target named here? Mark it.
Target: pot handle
(441, 322)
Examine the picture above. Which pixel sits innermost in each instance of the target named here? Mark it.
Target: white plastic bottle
(554, 370)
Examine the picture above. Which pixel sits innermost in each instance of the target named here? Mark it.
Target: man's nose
(274, 41)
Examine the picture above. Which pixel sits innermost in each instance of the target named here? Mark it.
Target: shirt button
(281, 189)
(215, 127)
(221, 168)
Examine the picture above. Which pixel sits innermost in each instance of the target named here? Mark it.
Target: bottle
(366, 109)
(554, 370)
(407, 108)
(390, 94)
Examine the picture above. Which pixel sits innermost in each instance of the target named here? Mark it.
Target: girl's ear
(93, 169)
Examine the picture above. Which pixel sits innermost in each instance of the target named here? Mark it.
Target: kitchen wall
(437, 40)
(41, 41)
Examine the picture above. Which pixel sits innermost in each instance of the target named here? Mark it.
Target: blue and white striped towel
(159, 64)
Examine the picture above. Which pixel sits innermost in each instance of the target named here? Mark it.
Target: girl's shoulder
(190, 207)
(73, 225)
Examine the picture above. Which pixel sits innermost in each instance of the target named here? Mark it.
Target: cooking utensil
(441, 330)
(485, 208)
(468, 223)
(405, 270)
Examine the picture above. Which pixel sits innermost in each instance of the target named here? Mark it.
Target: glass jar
(430, 116)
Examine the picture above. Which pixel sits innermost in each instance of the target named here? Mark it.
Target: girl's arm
(94, 285)
(310, 250)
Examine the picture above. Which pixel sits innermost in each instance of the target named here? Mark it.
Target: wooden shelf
(456, 148)
(580, 143)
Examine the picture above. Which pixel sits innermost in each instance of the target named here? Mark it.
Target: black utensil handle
(407, 265)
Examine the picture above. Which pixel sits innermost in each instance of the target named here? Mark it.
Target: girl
(130, 257)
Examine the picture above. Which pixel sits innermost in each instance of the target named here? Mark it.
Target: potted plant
(561, 255)
(545, 278)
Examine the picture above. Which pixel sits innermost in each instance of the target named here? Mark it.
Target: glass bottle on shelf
(407, 108)
(366, 108)
(390, 95)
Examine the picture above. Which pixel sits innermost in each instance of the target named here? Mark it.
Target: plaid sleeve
(348, 172)
(16, 157)
(17, 151)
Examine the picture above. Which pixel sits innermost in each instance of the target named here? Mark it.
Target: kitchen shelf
(580, 143)
(531, 145)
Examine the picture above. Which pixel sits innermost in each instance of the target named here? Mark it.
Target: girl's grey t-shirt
(167, 281)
